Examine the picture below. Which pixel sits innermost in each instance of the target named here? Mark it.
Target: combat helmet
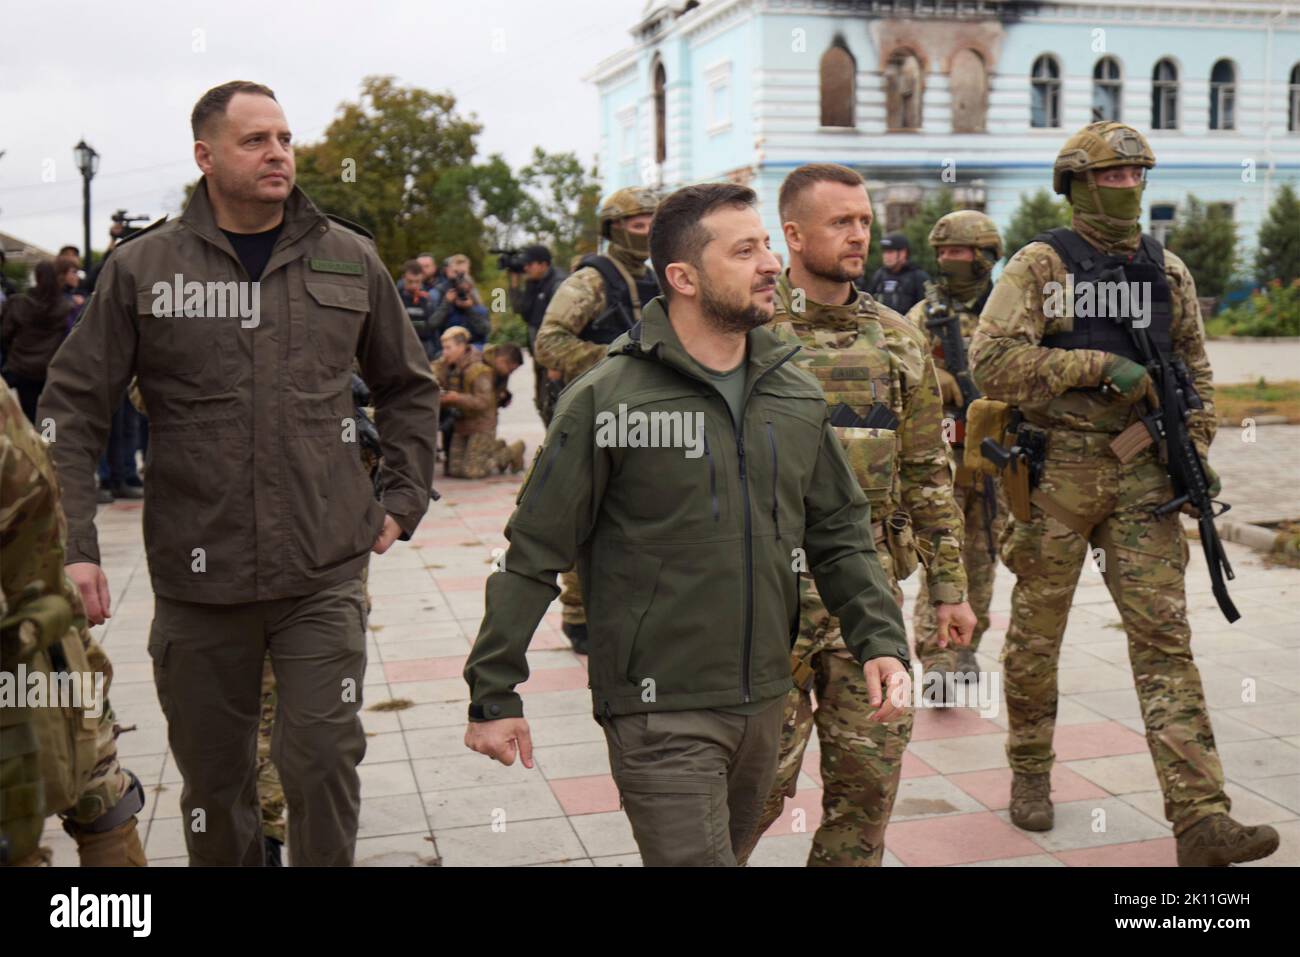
(625, 202)
(967, 227)
(1100, 146)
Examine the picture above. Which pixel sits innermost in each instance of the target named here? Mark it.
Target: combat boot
(1031, 802)
(1218, 840)
(117, 847)
(577, 635)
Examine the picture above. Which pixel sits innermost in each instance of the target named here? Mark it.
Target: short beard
(728, 317)
(833, 270)
(242, 191)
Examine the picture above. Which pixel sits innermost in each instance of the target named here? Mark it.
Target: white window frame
(718, 78)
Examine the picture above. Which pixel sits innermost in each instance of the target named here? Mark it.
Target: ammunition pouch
(985, 419)
(871, 454)
(66, 725)
(901, 544)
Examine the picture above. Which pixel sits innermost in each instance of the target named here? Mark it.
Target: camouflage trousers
(1142, 560)
(479, 455)
(981, 565)
(270, 795)
(571, 609)
(107, 781)
(861, 759)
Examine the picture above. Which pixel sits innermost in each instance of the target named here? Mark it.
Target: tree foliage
(1205, 239)
(1278, 256)
(1035, 214)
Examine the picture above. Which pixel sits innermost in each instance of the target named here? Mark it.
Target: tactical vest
(853, 369)
(620, 313)
(1107, 333)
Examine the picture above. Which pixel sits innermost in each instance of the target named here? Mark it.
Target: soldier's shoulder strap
(615, 284)
(1073, 249)
(138, 233)
(348, 224)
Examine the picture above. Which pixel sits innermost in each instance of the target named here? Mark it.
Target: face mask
(962, 277)
(1108, 214)
(636, 245)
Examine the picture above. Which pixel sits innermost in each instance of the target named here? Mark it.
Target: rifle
(1167, 425)
(371, 453)
(944, 323)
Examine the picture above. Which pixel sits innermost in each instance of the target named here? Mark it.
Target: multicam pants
(107, 781)
(478, 455)
(981, 565)
(861, 759)
(1142, 559)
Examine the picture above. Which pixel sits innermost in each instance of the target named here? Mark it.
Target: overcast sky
(124, 76)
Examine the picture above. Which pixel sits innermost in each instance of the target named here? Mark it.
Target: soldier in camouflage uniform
(1077, 381)
(43, 622)
(871, 359)
(469, 387)
(586, 315)
(967, 246)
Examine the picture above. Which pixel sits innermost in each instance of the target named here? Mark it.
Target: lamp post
(88, 163)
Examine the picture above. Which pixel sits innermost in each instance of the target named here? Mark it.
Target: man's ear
(682, 278)
(793, 241)
(203, 156)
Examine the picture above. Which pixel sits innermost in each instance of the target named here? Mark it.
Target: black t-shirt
(254, 249)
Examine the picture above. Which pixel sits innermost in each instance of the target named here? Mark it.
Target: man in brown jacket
(241, 321)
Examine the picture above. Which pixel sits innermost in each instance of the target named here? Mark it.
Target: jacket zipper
(546, 472)
(747, 656)
(713, 476)
(776, 514)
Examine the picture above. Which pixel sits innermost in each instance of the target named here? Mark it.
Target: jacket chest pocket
(197, 347)
(326, 332)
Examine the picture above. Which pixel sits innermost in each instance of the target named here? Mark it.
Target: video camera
(511, 260)
(123, 218)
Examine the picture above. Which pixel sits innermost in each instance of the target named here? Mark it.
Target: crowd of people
(730, 598)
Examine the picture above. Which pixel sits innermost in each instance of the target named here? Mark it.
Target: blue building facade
(975, 96)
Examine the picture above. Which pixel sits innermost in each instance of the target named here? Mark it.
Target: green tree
(400, 162)
(917, 229)
(1279, 239)
(1205, 239)
(1035, 214)
(559, 208)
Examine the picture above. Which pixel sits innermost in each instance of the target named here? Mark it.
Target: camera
(511, 260)
(123, 218)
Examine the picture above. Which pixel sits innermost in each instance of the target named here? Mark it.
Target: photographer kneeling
(469, 417)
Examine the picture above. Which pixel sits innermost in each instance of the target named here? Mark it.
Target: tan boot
(117, 847)
(516, 449)
(1031, 802)
(1218, 840)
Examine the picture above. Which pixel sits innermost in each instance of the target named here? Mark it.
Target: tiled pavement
(426, 797)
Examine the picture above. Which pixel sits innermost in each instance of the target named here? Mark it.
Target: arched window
(1164, 96)
(904, 86)
(1106, 88)
(839, 85)
(968, 81)
(1045, 99)
(1293, 101)
(1223, 94)
(661, 113)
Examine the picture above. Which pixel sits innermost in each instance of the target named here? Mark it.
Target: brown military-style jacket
(255, 487)
(475, 386)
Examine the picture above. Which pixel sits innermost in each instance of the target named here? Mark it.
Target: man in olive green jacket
(241, 321)
(692, 474)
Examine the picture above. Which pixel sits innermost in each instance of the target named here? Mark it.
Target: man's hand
(387, 535)
(90, 581)
(500, 740)
(890, 675)
(956, 624)
(449, 397)
(1126, 379)
(554, 375)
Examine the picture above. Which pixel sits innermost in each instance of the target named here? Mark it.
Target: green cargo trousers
(207, 662)
(693, 782)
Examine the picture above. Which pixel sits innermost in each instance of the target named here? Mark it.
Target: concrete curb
(1262, 420)
(1252, 536)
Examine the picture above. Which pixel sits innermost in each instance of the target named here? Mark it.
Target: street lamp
(88, 163)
